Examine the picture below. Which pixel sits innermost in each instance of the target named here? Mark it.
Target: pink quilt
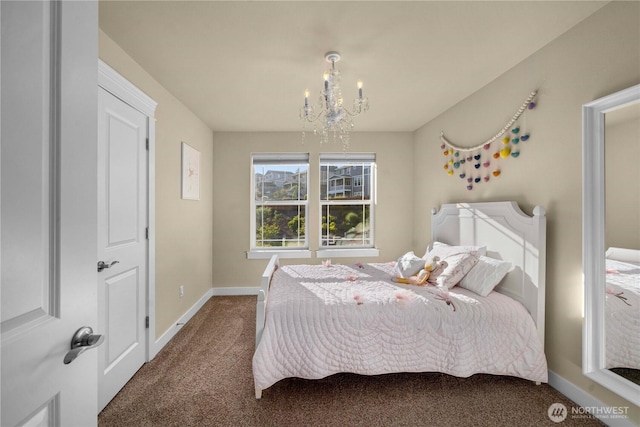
(322, 320)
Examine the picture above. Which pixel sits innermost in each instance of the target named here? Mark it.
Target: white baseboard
(172, 331)
(585, 400)
(247, 290)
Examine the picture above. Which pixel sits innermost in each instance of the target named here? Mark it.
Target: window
(280, 205)
(279, 201)
(346, 200)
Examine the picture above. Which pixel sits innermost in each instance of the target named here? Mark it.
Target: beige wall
(597, 57)
(183, 227)
(232, 184)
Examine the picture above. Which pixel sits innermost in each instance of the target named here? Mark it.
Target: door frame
(114, 83)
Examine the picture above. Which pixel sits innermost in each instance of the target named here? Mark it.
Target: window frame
(284, 159)
(348, 159)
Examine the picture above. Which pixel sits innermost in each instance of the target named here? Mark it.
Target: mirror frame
(593, 242)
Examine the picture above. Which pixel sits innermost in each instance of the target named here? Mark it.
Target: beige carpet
(203, 378)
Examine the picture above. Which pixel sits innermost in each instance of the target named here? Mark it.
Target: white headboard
(509, 234)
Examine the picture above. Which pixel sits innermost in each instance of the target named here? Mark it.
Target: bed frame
(506, 231)
(509, 234)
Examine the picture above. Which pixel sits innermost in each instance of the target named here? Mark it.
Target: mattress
(326, 319)
(622, 315)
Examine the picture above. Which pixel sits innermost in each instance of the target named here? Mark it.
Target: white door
(48, 211)
(122, 242)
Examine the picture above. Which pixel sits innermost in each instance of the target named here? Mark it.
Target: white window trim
(347, 253)
(322, 252)
(282, 158)
(361, 251)
(268, 253)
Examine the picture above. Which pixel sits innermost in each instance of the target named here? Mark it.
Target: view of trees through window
(345, 202)
(281, 203)
(345, 225)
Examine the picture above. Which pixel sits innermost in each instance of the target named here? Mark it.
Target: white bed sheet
(352, 318)
(622, 314)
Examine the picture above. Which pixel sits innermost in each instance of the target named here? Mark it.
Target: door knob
(102, 265)
(82, 340)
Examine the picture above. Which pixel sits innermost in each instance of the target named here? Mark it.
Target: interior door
(122, 242)
(48, 211)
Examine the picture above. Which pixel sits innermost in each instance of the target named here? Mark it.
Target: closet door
(122, 243)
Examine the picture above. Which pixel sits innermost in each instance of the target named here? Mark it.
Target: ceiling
(244, 65)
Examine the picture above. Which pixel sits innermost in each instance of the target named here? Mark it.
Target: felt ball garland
(481, 162)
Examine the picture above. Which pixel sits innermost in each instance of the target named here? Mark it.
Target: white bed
(314, 320)
(622, 308)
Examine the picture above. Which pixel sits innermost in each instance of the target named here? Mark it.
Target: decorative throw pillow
(408, 265)
(459, 265)
(485, 275)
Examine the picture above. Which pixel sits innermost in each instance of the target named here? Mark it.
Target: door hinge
(146, 322)
(147, 144)
(146, 233)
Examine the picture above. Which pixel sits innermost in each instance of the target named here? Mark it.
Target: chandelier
(330, 116)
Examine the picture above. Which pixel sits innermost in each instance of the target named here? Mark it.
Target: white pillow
(485, 276)
(409, 265)
(444, 250)
(459, 265)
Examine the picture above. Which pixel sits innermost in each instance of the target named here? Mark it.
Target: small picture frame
(190, 172)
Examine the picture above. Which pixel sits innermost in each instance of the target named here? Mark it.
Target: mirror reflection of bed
(622, 313)
(622, 238)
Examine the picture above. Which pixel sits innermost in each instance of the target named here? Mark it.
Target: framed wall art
(190, 172)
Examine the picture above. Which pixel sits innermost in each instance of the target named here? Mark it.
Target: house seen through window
(346, 200)
(280, 183)
(280, 202)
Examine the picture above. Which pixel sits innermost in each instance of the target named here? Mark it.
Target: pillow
(408, 265)
(444, 250)
(459, 265)
(485, 276)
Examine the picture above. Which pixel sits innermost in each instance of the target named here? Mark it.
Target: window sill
(266, 254)
(347, 253)
(320, 253)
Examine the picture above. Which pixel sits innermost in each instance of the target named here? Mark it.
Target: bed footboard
(263, 295)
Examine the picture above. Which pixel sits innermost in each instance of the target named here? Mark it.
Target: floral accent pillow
(459, 265)
(461, 260)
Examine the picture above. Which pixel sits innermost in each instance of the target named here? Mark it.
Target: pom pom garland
(475, 160)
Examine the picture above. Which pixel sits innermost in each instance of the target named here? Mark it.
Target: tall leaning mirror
(611, 242)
